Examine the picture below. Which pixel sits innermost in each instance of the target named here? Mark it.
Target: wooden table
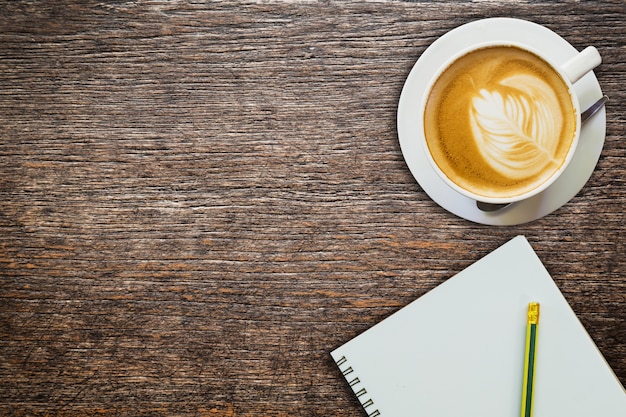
(198, 202)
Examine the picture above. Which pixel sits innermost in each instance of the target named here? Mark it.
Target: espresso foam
(499, 121)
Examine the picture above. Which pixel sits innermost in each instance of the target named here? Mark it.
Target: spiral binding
(356, 385)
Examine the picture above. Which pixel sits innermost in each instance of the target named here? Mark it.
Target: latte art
(516, 132)
(499, 121)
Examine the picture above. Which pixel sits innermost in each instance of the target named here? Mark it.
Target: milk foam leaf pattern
(516, 131)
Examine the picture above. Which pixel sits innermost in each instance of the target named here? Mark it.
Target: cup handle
(581, 64)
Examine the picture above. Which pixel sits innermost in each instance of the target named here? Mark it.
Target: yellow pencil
(529, 359)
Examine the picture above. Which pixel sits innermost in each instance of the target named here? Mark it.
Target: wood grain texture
(199, 201)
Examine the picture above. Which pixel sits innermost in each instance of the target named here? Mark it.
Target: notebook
(458, 351)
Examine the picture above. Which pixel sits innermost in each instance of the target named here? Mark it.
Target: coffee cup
(501, 121)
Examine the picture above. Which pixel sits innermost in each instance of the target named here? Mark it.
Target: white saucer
(540, 38)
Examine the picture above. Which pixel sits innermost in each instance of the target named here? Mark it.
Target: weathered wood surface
(199, 201)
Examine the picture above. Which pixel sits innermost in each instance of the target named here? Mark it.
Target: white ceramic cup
(570, 72)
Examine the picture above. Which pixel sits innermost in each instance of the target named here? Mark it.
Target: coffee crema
(499, 121)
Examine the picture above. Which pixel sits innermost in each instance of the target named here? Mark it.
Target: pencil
(530, 359)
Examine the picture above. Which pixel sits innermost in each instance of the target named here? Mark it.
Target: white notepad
(458, 351)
